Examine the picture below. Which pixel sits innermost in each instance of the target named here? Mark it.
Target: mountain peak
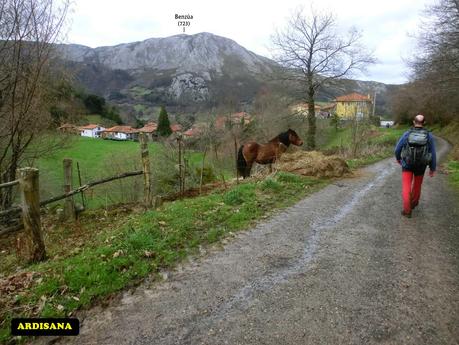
(198, 53)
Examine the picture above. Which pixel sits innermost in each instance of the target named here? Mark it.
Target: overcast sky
(386, 24)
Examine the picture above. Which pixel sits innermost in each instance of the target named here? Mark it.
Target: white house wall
(92, 133)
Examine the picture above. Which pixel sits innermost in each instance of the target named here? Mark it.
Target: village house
(241, 118)
(196, 130)
(176, 128)
(91, 131)
(69, 128)
(221, 123)
(120, 133)
(302, 109)
(328, 110)
(353, 105)
(150, 130)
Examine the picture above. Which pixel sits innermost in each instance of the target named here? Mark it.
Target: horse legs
(248, 168)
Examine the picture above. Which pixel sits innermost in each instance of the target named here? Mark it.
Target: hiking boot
(406, 214)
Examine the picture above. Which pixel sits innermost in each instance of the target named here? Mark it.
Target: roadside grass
(383, 153)
(379, 145)
(453, 172)
(119, 256)
(341, 137)
(380, 136)
(450, 133)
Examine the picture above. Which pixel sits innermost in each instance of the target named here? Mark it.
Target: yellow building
(354, 104)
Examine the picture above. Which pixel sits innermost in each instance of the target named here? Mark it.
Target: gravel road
(340, 267)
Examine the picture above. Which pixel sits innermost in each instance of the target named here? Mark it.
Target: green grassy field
(97, 159)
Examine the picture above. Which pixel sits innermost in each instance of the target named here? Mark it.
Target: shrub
(270, 184)
(208, 174)
(287, 177)
(238, 195)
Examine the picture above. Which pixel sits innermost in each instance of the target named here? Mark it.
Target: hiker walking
(414, 152)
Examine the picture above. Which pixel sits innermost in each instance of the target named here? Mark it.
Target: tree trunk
(6, 194)
(311, 135)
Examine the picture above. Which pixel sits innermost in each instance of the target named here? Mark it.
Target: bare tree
(273, 113)
(435, 66)
(434, 81)
(28, 29)
(313, 52)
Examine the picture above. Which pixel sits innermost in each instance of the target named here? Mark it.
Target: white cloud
(385, 24)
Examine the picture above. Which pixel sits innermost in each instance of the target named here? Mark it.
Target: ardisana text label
(45, 326)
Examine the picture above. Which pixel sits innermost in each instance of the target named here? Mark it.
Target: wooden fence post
(147, 188)
(69, 205)
(30, 195)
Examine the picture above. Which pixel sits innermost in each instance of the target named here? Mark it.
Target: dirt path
(340, 267)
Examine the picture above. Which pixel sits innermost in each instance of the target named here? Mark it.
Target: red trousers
(411, 189)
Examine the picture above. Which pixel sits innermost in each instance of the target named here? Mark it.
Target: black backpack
(416, 151)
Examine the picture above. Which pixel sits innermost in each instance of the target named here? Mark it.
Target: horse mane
(284, 138)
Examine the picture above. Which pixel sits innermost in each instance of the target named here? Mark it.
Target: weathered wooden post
(30, 195)
(69, 205)
(147, 188)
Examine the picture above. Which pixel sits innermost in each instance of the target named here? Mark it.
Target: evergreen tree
(164, 126)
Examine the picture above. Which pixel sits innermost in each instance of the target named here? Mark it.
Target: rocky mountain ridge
(185, 72)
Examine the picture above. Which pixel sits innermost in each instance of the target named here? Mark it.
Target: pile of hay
(312, 163)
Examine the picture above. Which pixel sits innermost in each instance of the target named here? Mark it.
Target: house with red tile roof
(196, 130)
(69, 128)
(150, 130)
(151, 127)
(236, 119)
(353, 105)
(120, 133)
(176, 127)
(91, 130)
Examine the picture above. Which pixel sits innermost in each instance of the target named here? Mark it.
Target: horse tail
(241, 163)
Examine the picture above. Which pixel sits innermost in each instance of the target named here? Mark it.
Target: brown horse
(265, 153)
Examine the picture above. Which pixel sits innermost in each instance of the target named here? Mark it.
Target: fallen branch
(18, 209)
(11, 229)
(12, 210)
(9, 184)
(89, 185)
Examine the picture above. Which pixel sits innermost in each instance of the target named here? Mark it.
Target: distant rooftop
(353, 97)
